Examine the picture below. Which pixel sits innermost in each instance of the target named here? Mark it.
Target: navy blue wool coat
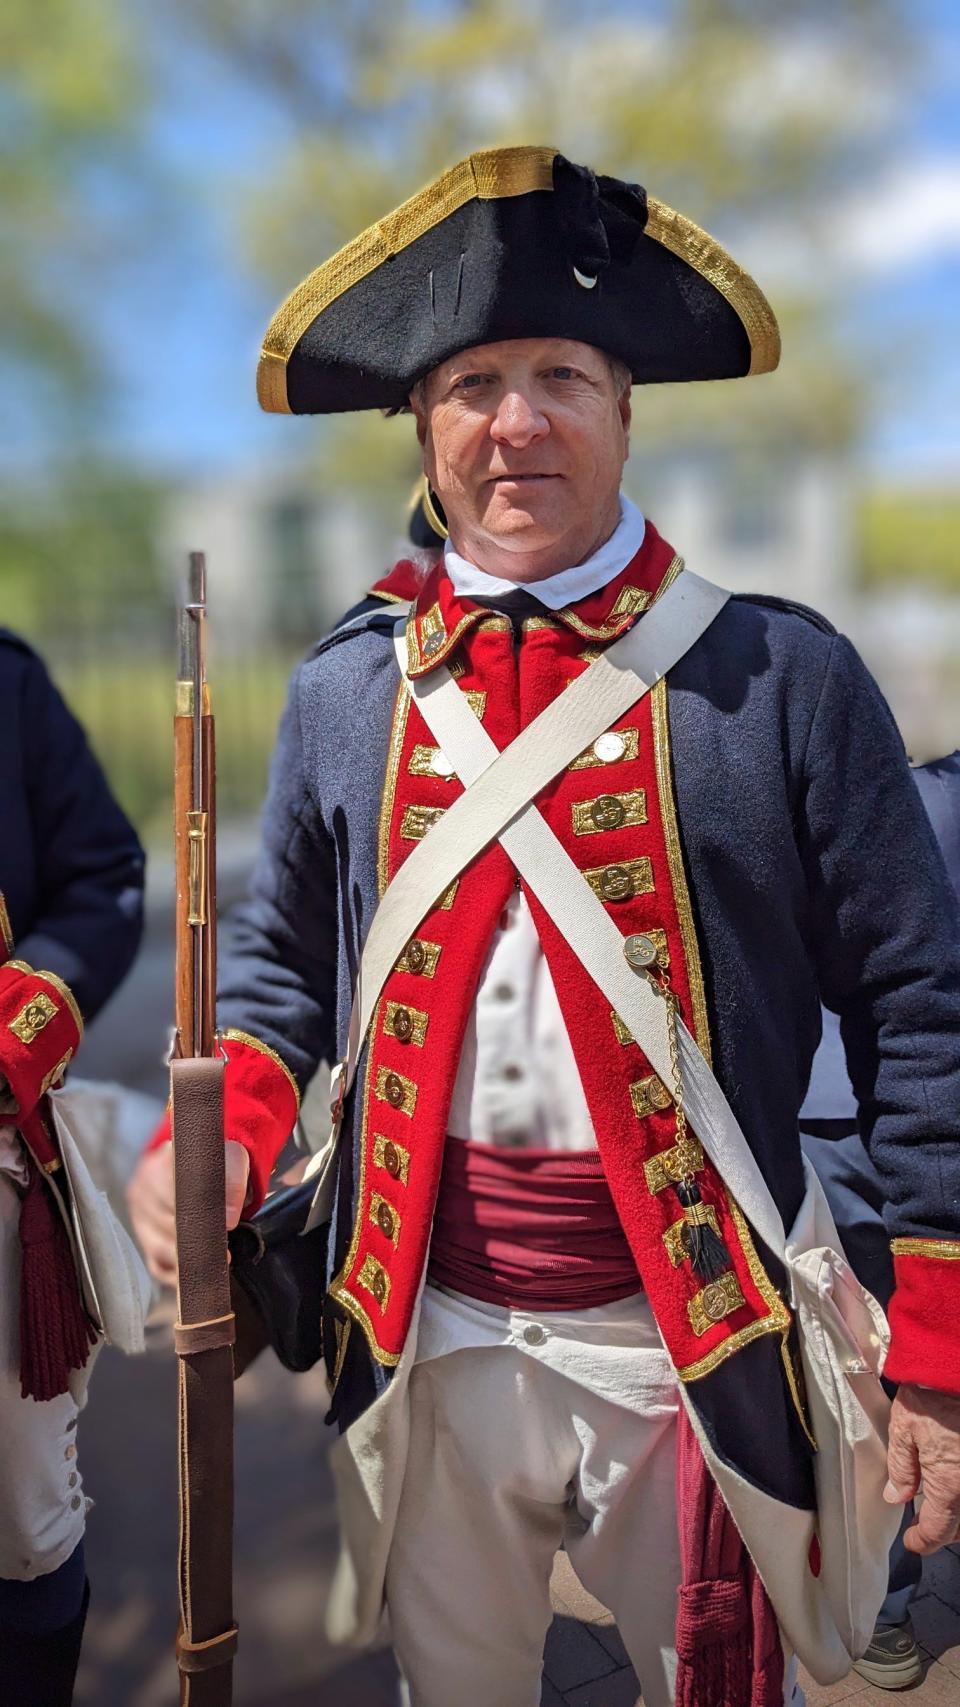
(813, 871)
(71, 867)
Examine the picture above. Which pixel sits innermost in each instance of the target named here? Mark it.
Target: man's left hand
(924, 1447)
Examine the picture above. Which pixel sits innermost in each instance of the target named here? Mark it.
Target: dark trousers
(853, 1190)
(41, 1631)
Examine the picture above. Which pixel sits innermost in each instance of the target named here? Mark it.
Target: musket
(204, 1331)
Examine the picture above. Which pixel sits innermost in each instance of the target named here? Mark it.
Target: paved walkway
(586, 1665)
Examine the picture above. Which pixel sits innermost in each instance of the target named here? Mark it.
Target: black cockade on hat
(514, 243)
(599, 218)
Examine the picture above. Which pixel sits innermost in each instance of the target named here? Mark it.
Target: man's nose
(518, 421)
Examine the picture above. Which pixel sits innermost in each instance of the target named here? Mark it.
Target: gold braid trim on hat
(492, 175)
(706, 256)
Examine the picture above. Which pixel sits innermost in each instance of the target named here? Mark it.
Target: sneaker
(892, 1660)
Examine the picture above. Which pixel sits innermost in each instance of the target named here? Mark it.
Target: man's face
(524, 443)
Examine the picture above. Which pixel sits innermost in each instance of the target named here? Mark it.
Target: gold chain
(661, 985)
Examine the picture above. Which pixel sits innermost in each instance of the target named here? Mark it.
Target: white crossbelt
(499, 789)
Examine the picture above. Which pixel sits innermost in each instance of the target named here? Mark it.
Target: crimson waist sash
(529, 1229)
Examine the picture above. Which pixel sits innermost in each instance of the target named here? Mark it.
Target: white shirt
(518, 1083)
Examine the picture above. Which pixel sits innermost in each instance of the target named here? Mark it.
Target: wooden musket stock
(204, 1332)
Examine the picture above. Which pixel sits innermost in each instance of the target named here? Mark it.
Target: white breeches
(42, 1504)
(507, 1459)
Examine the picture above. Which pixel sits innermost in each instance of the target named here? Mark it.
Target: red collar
(439, 617)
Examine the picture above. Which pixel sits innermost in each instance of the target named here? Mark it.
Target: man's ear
(625, 407)
(415, 403)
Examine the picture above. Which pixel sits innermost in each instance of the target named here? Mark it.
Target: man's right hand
(151, 1200)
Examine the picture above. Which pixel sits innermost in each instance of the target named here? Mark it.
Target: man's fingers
(925, 1447)
(237, 1171)
(153, 1221)
(903, 1462)
(151, 1199)
(936, 1526)
(160, 1257)
(152, 1179)
(158, 1242)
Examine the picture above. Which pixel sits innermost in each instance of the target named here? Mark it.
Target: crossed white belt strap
(497, 802)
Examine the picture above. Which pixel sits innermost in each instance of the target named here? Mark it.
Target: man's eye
(468, 382)
(561, 372)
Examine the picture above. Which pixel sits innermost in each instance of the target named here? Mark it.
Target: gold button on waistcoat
(416, 955)
(640, 950)
(720, 1298)
(385, 1219)
(403, 1024)
(607, 812)
(33, 1018)
(715, 1303)
(391, 1159)
(610, 747)
(616, 883)
(380, 1288)
(393, 1086)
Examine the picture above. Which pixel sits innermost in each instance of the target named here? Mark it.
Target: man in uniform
(523, 1220)
(71, 914)
(855, 1192)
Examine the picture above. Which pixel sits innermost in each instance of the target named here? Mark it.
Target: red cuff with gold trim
(260, 1107)
(924, 1311)
(40, 1030)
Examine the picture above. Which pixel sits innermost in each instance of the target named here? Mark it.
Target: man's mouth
(520, 479)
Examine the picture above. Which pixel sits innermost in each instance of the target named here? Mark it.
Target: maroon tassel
(55, 1331)
(729, 1652)
(714, 1645)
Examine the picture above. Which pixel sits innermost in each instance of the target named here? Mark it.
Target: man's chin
(521, 524)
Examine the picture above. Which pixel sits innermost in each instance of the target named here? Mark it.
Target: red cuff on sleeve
(924, 1310)
(260, 1107)
(40, 1030)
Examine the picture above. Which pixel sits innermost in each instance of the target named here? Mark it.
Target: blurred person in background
(71, 877)
(855, 1191)
(527, 1257)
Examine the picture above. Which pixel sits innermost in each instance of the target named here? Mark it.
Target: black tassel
(709, 1257)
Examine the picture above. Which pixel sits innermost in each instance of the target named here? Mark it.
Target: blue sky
(183, 322)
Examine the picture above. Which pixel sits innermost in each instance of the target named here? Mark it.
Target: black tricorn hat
(514, 243)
